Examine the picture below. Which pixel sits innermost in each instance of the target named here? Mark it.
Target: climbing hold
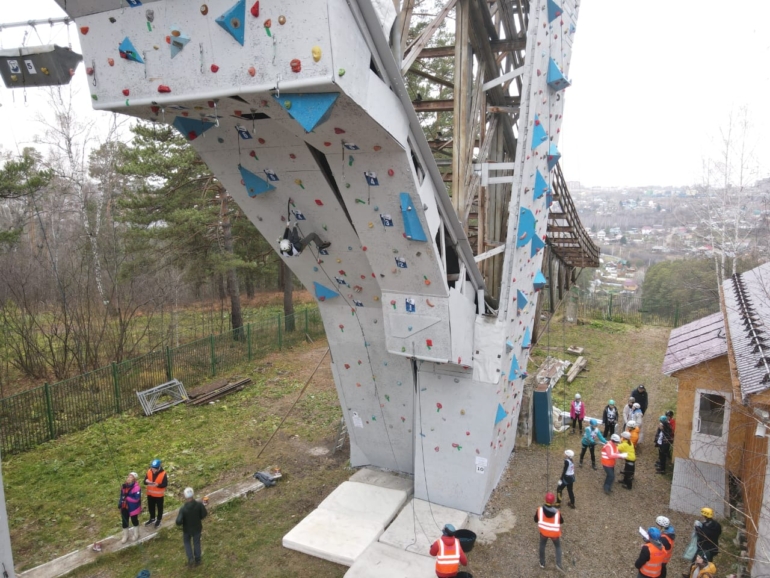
(391, 172)
(439, 407)
(127, 51)
(338, 131)
(164, 88)
(111, 62)
(296, 65)
(282, 20)
(178, 40)
(341, 72)
(377, 148)
(327, 144)
(429, 343)
(292, 156)
(342, 328)
(252, 71)
(350, 160)
(14, 77)
(90, 71)
(319, 202)
(255, 9)
(204, 9)
(253, 154)
(155, 109)
(254, 184)
(112, 20)
(287, 104)
(125, 92)
(150, 15)
(84, 30)
(268, 23)
(316, 52)
(260, 140)
(214, 68)
(299, 182)
(232, 21)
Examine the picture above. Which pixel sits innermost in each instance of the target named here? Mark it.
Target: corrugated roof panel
(695, 342)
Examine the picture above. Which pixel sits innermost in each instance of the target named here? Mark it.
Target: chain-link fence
(38, 415)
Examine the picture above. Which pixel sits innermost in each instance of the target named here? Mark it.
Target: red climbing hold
(253, 154)
(84, 30)
(192, 135)
(90, 71)
(255, 9)
(319, 202)
(164, 88)
(211, 103)
(261, 140)
(339, 131)
(391, 172)
(296, 65)
(155, 109)
(327, 144)
(126, 92)
(214, 68)
(252, 71)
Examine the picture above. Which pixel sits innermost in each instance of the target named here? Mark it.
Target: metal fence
(38, 415)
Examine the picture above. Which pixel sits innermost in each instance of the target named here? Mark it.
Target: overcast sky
(653, 82)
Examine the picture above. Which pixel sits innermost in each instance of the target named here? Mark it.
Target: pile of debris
(216, 389)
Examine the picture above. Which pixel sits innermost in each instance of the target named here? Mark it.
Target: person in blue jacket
(591, 436)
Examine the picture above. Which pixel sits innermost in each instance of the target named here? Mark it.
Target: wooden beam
(434, 105)
(417, 72)
(449, 51)
(462, 102)
(419, 43)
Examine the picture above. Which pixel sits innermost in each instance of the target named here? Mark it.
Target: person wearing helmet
(708, 532)
(663, 439)
(190, 517)
(156, 482)
(633, 430)
(638, 417)
(293, 243)
(626, 447)
(591, 436)
(609, 455)
(640, 397)
(671, 421)
(701, 567)
(628, 411)
(577, 412)
(567, 479)
(667, 541)
(610, 418)
(549, 521)
(650, 561)
(448, 552)
(130, 506)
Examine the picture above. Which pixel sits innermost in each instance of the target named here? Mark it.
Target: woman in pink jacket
(577, 412)
(130, 506)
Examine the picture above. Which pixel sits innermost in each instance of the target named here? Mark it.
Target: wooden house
(722, 364)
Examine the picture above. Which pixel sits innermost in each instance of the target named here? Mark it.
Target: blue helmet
(654, 534)
(593, 423)
(449, 530)
(670, 531)
(155, 463)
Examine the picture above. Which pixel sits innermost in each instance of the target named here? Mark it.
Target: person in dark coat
(610, 418)
(708, 532)
(663, 440)
(640, 395)
(190, 517)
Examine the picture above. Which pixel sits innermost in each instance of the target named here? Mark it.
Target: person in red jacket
(449, 554)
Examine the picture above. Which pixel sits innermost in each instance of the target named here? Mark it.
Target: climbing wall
(286, 104)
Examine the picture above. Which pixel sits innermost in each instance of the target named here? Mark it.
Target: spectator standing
(650, 561)
(449, 553)
(708, 532)
(567, 479)
(156, 482)
(577, 412)
(591, 436)
(640, 397)
(609, 455)
(628, 411)
(549, 521)
(190, 517)
(130, 505)
(610, 418)
(626, 447)
(667, 537)
(638, 418)
(663, 439)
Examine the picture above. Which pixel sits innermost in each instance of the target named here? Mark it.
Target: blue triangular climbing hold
(254, 185)
(537, 244)
(539, 281)
(191, 128)
(324, 293)
(541, 186)
(548, 199)
(178, 42)
(412, 225)
(526, 341)
(233, 21)
(539, 136)
(554, 11)
(526, 227)
(556, 79)
(521, 300)
(514, 367)
(501, 414)
(128, 51)
(553, 156)
(309, 110)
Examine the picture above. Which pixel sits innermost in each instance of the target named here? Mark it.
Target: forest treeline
(99, 243)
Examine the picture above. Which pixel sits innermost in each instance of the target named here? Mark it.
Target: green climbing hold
(341, 72)
(94, 97)
(287, 104)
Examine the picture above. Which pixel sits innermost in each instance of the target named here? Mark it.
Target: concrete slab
(333, 536)
(365, 502)
(65, 564)
(384, 561)
(404, 534)
(384, 479)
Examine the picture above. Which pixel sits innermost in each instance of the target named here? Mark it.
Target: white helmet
(626, 435)
(569, 453)
(285, 245)
(631, 423)
(577, 396)
(615, 438)
(637, 406)
(188, 493)
(662, 521)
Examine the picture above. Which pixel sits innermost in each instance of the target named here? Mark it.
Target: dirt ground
(600, 537)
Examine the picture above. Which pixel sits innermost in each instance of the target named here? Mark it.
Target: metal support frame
(162, 396)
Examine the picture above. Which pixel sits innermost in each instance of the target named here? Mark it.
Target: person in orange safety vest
(156, 482)
(651, 557)
(449, 554)
(549, 521)
(609, 455)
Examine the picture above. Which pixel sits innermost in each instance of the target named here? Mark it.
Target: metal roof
(695, 342)
(747, 310)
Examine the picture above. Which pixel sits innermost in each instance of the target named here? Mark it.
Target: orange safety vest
(654, 566)
(608, 450)
(448, 559)
(155, 491)
(670, 552)
(548, 529)
(634, 436)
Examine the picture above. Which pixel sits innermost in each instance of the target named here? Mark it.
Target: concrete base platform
(419, 525)
(384, 479)
(384, 561)
(346, 523)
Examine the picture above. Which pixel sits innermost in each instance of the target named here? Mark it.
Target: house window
(711, 414)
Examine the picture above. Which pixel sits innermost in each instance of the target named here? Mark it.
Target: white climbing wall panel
(282, 101)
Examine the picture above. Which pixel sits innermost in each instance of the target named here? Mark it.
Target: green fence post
(280, 332)
(609, 312)
(306, 324)
(676, 316)
(248, 339)
(49, 411)
(213, 356)
(169, 366)
(116, 385)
